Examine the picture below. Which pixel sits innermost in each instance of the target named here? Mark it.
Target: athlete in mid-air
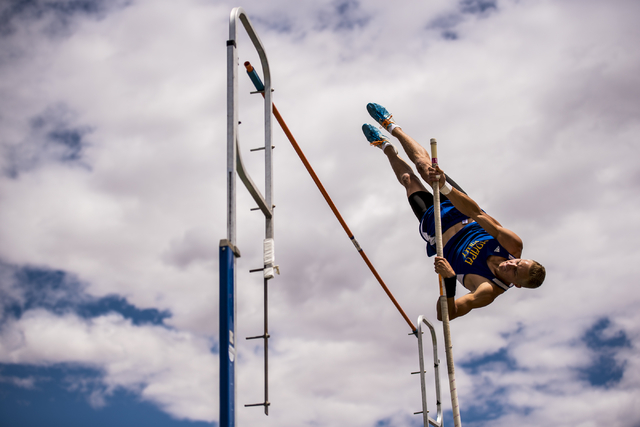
(478, 251)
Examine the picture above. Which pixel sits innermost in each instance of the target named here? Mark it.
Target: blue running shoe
(376, 138)
(380, 114)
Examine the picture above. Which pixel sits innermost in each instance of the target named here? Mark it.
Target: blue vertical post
(227, 247)
(227, 335)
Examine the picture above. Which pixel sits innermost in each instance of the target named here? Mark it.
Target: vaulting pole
(260, 87)
(444, 309)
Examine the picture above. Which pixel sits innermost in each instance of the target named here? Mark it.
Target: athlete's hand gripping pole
(253, 75)
(444, 309)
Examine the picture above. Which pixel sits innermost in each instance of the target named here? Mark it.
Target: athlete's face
(515, 271)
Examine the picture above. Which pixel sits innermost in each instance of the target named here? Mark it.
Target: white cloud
(535, 109)
(168, 367)
(28, 382)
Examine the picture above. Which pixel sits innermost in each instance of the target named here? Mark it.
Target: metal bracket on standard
(265, 404)
(427, 420)
(234, 248)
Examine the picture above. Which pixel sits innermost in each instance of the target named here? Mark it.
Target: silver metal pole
(228, 250)
(444, 309)
(232, 129)
(269, 223)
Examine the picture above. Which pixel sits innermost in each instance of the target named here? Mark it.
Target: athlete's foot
(382, 116)
(376, 138)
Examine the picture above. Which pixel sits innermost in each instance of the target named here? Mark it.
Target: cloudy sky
(112, 196)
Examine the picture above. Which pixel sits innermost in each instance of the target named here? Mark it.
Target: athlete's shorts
(420, 201)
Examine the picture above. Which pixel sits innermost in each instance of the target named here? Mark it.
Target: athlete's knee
(407, 178)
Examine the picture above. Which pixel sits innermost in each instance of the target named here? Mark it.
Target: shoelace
(386, 122)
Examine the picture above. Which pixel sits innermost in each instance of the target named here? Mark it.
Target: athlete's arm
(483, 296)
(467, 206)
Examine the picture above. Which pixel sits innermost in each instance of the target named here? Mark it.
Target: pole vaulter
(260, 88)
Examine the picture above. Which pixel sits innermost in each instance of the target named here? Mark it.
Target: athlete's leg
(403, 171)
(416, 152)
(418, 155)
(419, 198)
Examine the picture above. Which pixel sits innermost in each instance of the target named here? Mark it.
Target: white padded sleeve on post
(269, 258)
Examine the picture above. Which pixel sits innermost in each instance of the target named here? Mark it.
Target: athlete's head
(537, 273)
(523, 273)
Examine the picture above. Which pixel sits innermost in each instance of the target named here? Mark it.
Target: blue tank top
(470, 248)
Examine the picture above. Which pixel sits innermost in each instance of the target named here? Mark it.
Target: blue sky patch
(347, 15)
(52, 138)
(493, 406)
(58, 13)
(604, 342)
(120, 305)
(406, 420)
(478, 7)
(71, 140)
(449, 35)
(71, 397)
(447, 23)
(341, 15)
(493, 361)
(53, 127)
(60, 292)
(281, 24)
(492, 409)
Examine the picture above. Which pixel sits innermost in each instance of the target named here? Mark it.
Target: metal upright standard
(444, 309)
(228, 250)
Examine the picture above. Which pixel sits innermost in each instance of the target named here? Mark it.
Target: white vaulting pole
(444, 309)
